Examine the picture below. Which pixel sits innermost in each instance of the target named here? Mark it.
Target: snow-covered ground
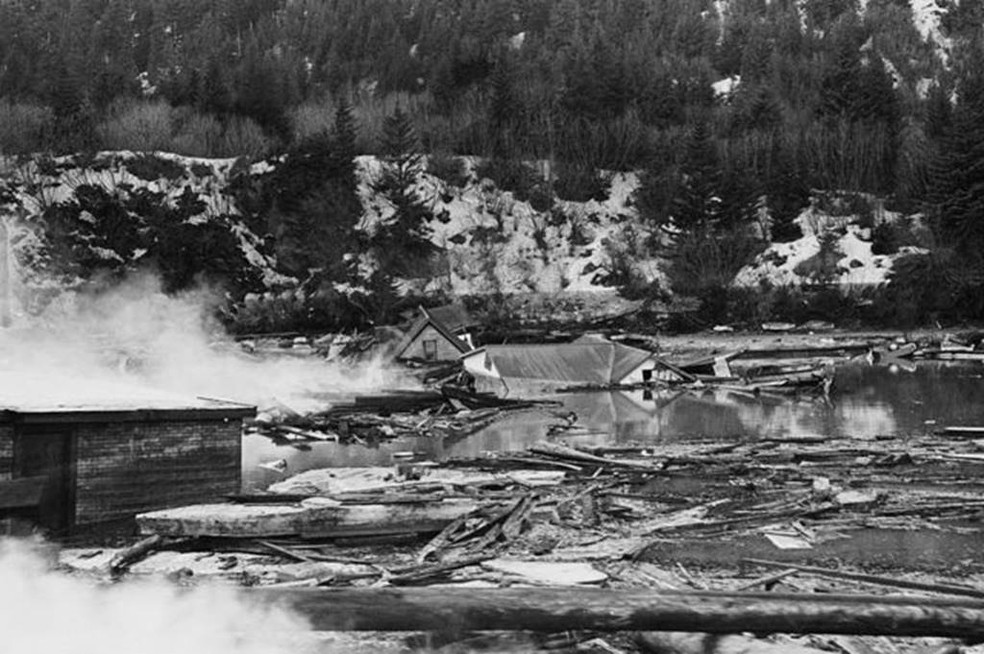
(495, 243)
(781, 263)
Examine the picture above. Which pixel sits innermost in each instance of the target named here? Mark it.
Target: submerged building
(76, 453)
(587, 362)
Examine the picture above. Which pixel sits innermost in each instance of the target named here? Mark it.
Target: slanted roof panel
(626, 359)
(571, 363)
(452, 316)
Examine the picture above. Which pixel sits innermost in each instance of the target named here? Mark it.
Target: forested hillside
(735, 114)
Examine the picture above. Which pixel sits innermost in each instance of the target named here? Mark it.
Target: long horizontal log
(562, 609)
(964, 591)
(672, 642)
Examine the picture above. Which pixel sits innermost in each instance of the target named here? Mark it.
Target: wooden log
(562, 609)
(963, 591)
(124, 559)
(964, 431)
(675, 642)
(562, 452)
(310, 518)
(283, 551)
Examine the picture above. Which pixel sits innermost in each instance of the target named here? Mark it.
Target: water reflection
(866, 402)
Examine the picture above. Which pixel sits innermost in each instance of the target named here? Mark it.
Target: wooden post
(562, 609)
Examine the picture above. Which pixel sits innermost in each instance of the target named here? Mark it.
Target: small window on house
(430, 350)
(647, 376)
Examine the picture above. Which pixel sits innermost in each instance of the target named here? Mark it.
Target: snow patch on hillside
(495, 243)
(39, 184)
(926, 18)
(724, 88)
(781, 263)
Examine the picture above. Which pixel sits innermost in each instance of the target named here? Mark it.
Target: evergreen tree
(401, 244)
(957, 190)
(697, 207)
(343, 144)
(939, 112)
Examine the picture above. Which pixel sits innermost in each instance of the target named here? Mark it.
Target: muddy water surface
(867, 402)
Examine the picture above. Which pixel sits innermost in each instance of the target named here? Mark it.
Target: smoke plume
(46, 612)
(137, 334)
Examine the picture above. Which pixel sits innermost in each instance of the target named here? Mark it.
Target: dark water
(867, 402)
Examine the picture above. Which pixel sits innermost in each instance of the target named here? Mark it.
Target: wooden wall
(124, 468)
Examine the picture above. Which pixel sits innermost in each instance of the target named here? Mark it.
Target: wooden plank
(563, 609)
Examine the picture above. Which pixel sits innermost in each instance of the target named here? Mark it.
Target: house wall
(6, 451)
(125, 468)
(446, 351)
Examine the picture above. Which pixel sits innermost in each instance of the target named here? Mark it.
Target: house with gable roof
(431, 339)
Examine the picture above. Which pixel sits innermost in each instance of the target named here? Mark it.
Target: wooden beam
(908, 584)
(562, 609)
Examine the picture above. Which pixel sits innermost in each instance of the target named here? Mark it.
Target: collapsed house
(77, 453)
(590, 361)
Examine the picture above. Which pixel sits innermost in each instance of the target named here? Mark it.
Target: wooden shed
(76, 453)
(429, 339)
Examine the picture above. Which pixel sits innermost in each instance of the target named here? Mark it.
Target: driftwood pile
(369, 419)
(597, 522)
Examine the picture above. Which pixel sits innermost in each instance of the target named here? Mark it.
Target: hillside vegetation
(714, 124)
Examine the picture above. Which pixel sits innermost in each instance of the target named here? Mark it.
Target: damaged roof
(589, 361)
(453, 316)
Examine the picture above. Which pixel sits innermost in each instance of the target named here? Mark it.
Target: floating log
(563, 609)
(315, 518)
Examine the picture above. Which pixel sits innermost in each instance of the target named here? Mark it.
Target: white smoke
(137, 334)
(47, 612)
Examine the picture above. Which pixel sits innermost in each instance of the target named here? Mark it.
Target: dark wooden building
(430, 339)
(74, 453)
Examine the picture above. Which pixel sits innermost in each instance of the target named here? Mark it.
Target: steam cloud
(46, 612)
(137, 334)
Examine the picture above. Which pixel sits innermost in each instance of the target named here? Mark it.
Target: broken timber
(125, 558)
(563, 609)
(323, 519)
(948, 589)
